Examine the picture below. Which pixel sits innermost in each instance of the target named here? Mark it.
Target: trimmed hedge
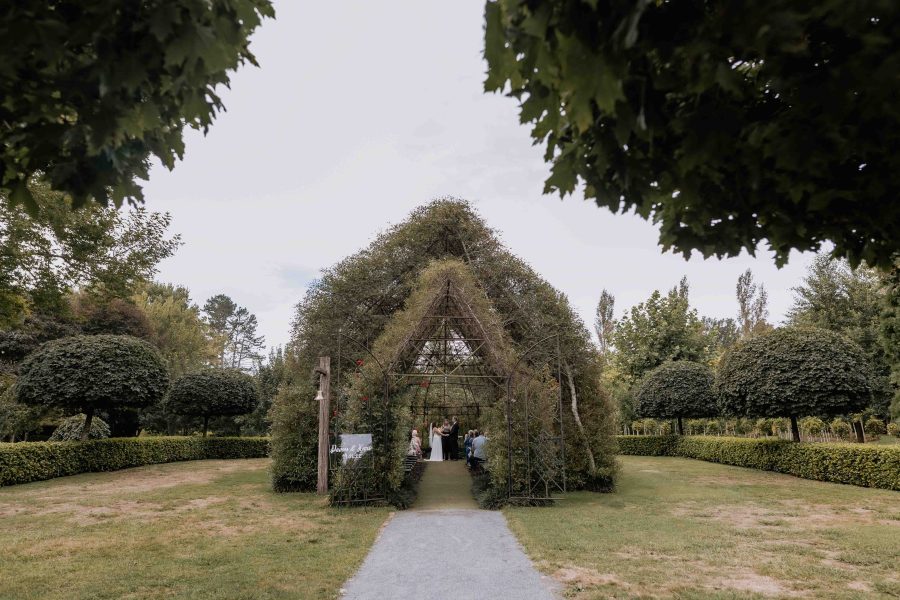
(866, 466)
(35, 461)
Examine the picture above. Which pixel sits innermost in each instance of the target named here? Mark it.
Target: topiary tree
(90, 373)
(212, 393)
(675, 390)
(793, 372)
(73, 429)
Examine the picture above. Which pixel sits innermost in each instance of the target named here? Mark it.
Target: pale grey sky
(360, 112)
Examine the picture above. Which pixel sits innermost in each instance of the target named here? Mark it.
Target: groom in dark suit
(454, 440)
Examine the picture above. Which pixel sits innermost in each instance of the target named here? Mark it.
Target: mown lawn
(199, 530)
(690, 529)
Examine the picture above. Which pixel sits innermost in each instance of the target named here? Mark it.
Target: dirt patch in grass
(859, 586)
(749, 581)
(790, 514)
(581, 577)
(87, 515)
(132, 481)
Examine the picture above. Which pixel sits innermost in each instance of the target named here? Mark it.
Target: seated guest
(478, 444)
(415, 445)
(467, 446)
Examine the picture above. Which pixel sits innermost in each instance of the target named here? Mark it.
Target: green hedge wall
(867, 466)
(34, 461)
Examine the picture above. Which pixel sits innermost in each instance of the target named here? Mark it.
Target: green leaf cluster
(726, 123)
(177, 329)
(89, 91)
(47, 255)
(890, 332)
(795, 372)
(848, 301)
(97, 372)
(663, 328)
(677, 389)
(213, 392)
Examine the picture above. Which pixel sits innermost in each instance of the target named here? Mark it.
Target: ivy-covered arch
(381, 296)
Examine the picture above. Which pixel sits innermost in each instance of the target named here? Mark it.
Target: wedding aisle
(445, 547)
(445, 485)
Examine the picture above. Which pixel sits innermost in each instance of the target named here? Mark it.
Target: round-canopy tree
(90, 373)
(794, 372)
(678, 389)
(213, 393)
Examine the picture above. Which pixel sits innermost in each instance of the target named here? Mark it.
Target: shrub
(72, 428)
(893, 429)
(90, 373)
(675, 390)
(840, 428)
(794, 372)
(875, 426)
(867, 466)
(35, 461)
(812, 425)
(295, 434)
(213, 392)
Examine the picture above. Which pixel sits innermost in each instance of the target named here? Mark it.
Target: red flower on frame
(360, 362)
(424, 384)
(364, 398)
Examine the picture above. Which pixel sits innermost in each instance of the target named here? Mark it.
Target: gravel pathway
(447, 553)
(485, 561)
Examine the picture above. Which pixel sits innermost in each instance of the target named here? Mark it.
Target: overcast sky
(361, 111)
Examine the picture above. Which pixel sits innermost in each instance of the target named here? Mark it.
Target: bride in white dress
(437, 453)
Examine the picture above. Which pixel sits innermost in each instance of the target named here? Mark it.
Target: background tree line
(858, 304)
(90, 271)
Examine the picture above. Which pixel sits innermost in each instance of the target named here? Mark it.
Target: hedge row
(34, 461)
(867, 466)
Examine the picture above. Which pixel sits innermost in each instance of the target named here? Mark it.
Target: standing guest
(467, 446)
(478, 454)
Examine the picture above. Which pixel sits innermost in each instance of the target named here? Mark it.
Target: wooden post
(324, 396)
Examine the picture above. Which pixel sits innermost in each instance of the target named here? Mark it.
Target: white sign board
(352, 445)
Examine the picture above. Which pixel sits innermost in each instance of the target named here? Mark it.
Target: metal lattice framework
(447, 365)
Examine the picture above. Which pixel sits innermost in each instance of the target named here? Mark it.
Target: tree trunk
(795, 429)
(86, 430)
(592, 465)
(680, 427)
(205, 424)
(860, 431)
